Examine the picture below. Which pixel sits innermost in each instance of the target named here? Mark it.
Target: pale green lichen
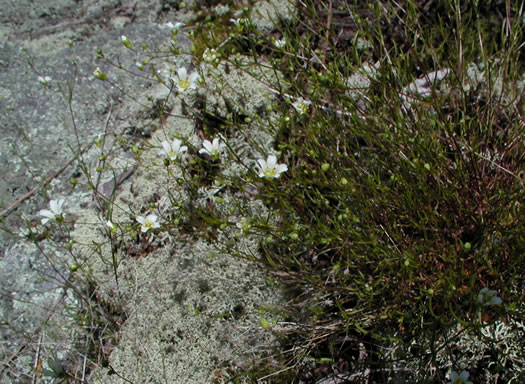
(266, 14)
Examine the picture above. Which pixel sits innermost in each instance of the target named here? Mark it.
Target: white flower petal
(280, 168)
(166, 147)
(193, 77)
(48, 215)
(60, 204)
(53, 205)
(151, 217)
(271, 162)
(175, 145)
(262, 164)
(182, 73)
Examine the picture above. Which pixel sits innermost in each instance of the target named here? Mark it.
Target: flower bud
(125, 41)
(99, 74)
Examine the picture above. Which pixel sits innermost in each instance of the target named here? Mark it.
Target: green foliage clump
(399, 206)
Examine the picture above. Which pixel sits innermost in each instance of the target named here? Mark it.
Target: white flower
(270, 168)
(176, 27)
(55, 211)
(213, 149)
(172, 150)
(280, 43)
(185, 82)
(488, 297)
(237, 22)
(148, 222)
(302, 105)
(209, 55)
(461, 378)
(44, 80)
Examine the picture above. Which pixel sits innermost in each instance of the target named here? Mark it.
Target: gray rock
(38, 137)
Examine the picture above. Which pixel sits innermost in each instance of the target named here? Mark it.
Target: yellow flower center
(270, 172)
(184, 83)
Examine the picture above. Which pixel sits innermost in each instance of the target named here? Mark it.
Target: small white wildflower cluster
(174, 150)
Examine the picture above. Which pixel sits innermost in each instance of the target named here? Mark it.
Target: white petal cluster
(270, 169)
(212, 149)
(148, 222)
(172, 150)
(185, 82)
(54, 212)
